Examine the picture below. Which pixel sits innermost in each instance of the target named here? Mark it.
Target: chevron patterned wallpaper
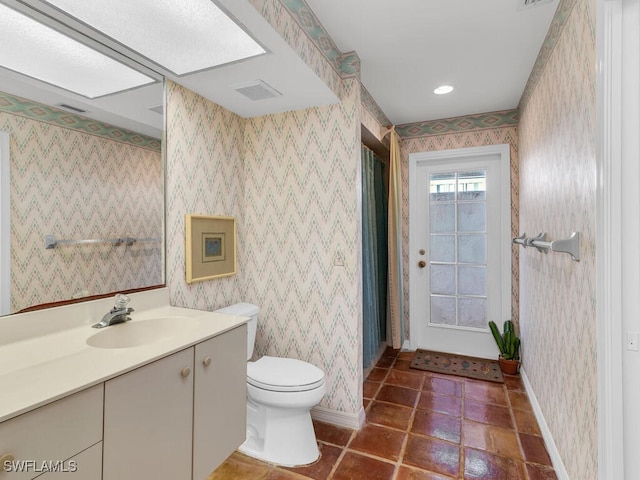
(290, 179)
(76, 185)
(204, 176)
(301, 219)
(558, 195)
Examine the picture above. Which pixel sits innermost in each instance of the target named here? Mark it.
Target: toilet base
(283, 436)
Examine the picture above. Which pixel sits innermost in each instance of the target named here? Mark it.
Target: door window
(457, 248)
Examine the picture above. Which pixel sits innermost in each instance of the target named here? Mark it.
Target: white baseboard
(406, 346)
(355, 421)
(552, 449)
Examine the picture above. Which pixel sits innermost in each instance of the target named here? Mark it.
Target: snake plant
(508, 343)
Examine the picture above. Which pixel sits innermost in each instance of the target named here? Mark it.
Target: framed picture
(210, 247)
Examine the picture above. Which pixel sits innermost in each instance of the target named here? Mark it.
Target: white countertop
(44, 355)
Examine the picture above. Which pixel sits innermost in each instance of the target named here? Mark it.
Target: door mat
(449, 363)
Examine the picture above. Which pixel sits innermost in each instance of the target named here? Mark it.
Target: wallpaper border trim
(43, 113)
(466, 123)
(350, 65)
(313, 28)
(372, 106)
(548, 45)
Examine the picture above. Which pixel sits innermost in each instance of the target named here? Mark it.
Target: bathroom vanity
(160, 397)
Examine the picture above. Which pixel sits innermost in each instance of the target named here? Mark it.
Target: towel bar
(569, 245)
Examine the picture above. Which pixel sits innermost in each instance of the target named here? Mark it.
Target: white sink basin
(142, 332)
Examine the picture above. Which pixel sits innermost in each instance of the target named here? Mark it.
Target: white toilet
(280, 394)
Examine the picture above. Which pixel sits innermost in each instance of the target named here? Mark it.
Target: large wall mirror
(83, 185)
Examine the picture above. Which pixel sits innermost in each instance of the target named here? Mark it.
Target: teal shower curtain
(374, 255)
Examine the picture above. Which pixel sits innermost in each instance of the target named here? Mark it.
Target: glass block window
(458, 248)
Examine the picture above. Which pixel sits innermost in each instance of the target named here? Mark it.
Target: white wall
(5, 225)
(631, 228)
(619, 236)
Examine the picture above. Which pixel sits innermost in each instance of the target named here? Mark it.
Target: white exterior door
(460, 248)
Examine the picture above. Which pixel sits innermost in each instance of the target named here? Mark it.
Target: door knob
(422, 264)
(207, 361)
(185, 372)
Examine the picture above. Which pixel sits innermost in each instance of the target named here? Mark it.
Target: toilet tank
(245, 310)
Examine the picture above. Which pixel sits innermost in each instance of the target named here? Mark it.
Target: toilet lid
(284, 374)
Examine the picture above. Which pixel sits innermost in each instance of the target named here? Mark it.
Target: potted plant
(509, 346)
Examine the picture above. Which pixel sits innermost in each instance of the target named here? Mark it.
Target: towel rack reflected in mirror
(50, 241)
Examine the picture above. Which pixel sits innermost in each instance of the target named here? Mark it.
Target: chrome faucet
(118, 314)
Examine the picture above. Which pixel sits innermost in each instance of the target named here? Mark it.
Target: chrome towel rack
(569, 245)
(50, 241)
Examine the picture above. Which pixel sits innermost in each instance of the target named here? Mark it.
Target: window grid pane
(457, 238)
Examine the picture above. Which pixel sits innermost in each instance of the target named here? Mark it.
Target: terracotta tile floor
(422, 426)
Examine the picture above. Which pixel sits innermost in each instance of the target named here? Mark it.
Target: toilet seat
(284, 375)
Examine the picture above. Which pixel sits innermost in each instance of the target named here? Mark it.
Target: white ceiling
(486, 49)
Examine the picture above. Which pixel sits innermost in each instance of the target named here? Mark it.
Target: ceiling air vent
(257, 90)
(524, 4)
(71, 108)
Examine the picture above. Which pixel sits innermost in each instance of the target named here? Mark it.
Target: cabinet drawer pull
(207, 361)
(6, 458)
(186, 371)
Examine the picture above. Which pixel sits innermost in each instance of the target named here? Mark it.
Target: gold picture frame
(210, 247)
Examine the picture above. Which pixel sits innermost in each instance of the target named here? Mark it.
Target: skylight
(181, 36)
(39, 51)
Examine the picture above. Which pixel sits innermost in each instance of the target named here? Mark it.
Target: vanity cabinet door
(87, 465)
(43, 439)
(220, 406)
(148, 421)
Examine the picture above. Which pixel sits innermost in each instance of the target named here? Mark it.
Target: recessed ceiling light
(39, 51)
(182, 37)
(443, 90)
